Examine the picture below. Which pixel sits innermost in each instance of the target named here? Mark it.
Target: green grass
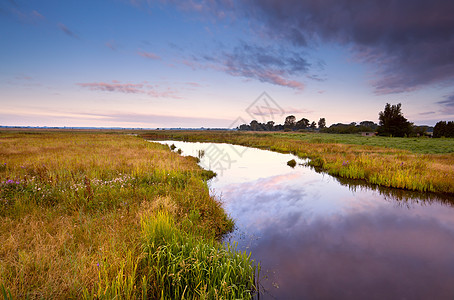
(190, 268)
(76, 210)
(416, 145)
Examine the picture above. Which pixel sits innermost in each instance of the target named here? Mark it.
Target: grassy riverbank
(99, 215)
(406, 163)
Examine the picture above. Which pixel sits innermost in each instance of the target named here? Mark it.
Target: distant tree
(342, 128)
(269, 126)
(289, 122)
(256, 126)
(368, 124)
(302, 124)
(313, 125)
(321, 123)
(392, 122)
(244, 127)
(444, 129)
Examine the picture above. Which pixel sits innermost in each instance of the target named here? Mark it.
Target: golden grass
(71, 205)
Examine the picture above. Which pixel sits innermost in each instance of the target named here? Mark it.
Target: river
(319, 237)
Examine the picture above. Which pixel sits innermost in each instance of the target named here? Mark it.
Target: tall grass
(71, 206)
(186, 267)
(389, 166)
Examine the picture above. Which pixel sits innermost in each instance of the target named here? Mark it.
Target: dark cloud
(67, 31)
(410, 41)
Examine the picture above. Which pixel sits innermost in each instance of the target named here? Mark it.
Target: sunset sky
(207, 63)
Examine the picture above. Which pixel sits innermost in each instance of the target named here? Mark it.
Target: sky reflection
(318, 237)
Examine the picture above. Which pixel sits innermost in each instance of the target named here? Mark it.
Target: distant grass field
(406, 163)
(110, 216)
(416, 145)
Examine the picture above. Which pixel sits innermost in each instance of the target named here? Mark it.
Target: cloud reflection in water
(317, 237)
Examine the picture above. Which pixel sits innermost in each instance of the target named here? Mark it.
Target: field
(418, 164)
(416, 145)
(109, 215)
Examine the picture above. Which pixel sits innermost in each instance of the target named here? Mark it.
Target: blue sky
(204, 63)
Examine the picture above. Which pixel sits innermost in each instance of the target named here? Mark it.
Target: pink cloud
(193, 84)
(168, 93)
(275, 78)
(132, 88)
(149, 55)
(37, 15)
(67, 31)
(128, 88)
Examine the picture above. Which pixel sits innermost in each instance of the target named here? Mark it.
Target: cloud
(67, 31)
(193, 84)
(37, 15)
(112, 45)
(132, 88)
(24, 77)
(447, 104)
(410, 42)
(21, 13)
(269, 111)
(427, 113)
(149, 55)
(266, 64)
(128, 88)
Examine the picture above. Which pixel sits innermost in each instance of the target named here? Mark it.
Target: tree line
(391, 123)
(290, 124)
(444, 129)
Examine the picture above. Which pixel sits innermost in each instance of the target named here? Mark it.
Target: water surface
(318, 237)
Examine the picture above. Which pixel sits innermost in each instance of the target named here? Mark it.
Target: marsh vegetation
(99, 215)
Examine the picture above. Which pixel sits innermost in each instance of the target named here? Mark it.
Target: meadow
(98, 215)
(417, 164)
